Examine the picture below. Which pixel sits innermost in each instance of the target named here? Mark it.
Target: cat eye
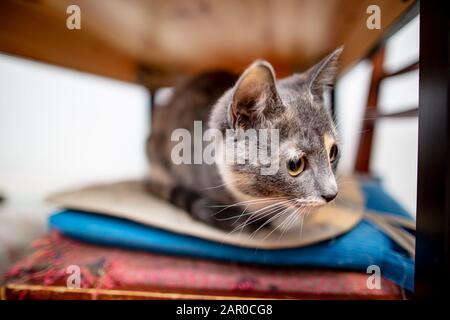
(296, 166)
(333, 153)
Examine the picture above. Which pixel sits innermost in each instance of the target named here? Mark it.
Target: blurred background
(61, 128)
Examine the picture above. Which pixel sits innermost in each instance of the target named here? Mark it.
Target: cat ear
(322, 75)
(255, 95)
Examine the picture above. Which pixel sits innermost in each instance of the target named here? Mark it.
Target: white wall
(63, 129)
(394, 156)
(60, 128)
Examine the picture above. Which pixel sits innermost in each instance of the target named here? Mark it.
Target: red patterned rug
(118, 273)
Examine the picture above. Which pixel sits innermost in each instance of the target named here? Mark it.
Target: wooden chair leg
(365, 143)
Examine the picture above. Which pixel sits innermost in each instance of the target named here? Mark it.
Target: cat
(231, 195)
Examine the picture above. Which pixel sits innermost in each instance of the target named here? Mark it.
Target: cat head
(308, 148)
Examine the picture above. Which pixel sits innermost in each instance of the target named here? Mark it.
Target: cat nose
(329, 197)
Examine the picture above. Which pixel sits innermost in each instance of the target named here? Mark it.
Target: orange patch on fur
(328, 141)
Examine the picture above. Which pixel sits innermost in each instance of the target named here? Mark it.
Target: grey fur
(293, 105)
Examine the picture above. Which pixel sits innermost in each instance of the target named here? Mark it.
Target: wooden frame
(154, 42)
(433, 204)
(432, 265)
(372, 113)
(432, 277)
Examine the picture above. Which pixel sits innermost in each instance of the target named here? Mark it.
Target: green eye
(333, 153)
(296, 166)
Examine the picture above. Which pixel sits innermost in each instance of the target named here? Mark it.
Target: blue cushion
(363, 246)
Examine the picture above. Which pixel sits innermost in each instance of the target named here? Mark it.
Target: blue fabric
(363, 246)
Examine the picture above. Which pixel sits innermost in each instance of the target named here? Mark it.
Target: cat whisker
(242, 214)
(266, 210)
(247, 203)
(253, 218)
(303, 220)
(291, 219)
(270, 220)
(265, 213)
(271, 232)
(270, 205)
(285, 210)
(222, 185)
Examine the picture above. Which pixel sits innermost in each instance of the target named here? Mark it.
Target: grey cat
(230, 195)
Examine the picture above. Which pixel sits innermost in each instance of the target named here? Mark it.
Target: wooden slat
(409, 68)
(39, 292)
(368, 128)
(30, 30)
(185, 37)
(373, 114)
(360, 41)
